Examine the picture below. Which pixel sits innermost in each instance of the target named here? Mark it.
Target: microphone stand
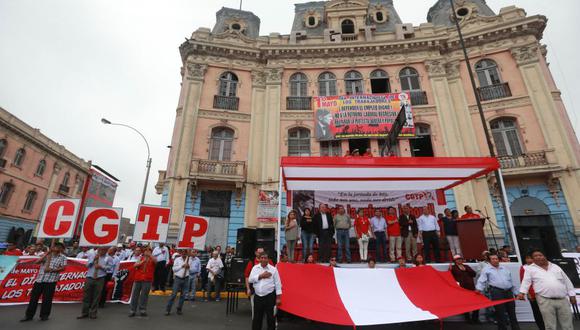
(486, 217)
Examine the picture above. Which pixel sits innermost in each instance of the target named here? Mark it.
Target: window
(66, 179)
(3, 144)
(299, 142)
(298, 85)
(228, 84)
(5, 193)
(421, 146)
(236, 27)
(19, 157)
(30, 199)
(487, 73)
(215, 203)
(379, 16)
(222, 139)
(330, 148)
(41, 167)
(327, 84)
(81, 186)
(347, 26)
(409, 79)
(353, 82)
(506, 137)
(380, 82)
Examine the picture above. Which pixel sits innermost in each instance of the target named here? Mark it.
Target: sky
(65, 64)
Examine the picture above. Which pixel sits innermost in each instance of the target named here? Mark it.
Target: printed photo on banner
(268, 206)
(361, 116)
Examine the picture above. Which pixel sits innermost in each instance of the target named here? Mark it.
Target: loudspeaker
(265, 238)
(246, 243)
(235, 273)
(569, 267)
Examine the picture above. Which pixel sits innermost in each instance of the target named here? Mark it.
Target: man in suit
(325, 231)
(409, 231)
(323, 131)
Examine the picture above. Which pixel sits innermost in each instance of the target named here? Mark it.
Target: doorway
(537, 232)
(361, 144)
(421, 146)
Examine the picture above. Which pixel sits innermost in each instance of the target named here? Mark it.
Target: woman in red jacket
(362, 228)
(464, 275)
(144, 268)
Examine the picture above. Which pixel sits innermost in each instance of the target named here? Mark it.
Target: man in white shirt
(161, 254)
(181, 265)
(267, 293)
(429, 233)
(553, 290)
(215, 275)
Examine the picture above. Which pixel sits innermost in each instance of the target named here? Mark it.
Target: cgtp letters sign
(58, 218)
(192, 233)
(101, 226)
(152, 224)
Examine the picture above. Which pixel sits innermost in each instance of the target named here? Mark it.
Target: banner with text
(268, 206)
(370, 201)
(16, 287)
(361, 115)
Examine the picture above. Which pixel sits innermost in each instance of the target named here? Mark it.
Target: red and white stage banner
(152, 224)
(58, 218)
(192, 233)
(359, 297)
(16, 287)
(101, 226)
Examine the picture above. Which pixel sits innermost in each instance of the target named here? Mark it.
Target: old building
(246, 100)
(32, 168)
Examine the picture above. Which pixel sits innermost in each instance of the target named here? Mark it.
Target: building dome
(440, 13)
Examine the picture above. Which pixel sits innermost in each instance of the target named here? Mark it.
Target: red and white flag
(358, 297)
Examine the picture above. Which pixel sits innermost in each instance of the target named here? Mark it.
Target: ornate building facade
(33, 168)
(246, 100)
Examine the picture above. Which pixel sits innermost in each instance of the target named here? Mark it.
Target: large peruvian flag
(357, 297)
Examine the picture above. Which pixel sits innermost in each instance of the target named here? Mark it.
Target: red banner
(17, 285)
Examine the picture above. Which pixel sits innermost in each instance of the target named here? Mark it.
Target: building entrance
(537, 232)
(361, 144)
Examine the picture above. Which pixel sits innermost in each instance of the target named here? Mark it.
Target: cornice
(296, 115)
(224, 115)
(506, 103)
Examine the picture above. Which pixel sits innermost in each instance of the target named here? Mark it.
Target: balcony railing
(298, 103)
(226, 102)
(349, 37)
(231, 171)
(494, 92)
(418, 98)
(537, 158)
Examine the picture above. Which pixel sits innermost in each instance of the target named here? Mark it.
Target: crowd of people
(392, 234)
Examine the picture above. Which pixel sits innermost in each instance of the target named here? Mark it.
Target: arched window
(327, 84)
(347, 26)
(3, 144)
(353, 82)
(487, 73)
(299, 85)
(222, 139)
(422, 146)
(380, 82)
(41, 167)
(228, 84)
(66, 179)
(29, 202)
(5, 193)
(299, 142)
(409, 79)
(506, 137)
(19, 157)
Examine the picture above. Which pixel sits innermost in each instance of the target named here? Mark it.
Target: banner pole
(279, 225)
(509, 219)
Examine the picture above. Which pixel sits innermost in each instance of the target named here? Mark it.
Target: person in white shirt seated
(267, 293)
(182, 263)
(215, 275)
(554, 291)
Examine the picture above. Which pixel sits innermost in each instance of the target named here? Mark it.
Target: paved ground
(197, 315)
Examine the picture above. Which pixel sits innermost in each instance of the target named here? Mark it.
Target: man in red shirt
(12, 250)
(469, 214)
(394, 233)
(144, 269)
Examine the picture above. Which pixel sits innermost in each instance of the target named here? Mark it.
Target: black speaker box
(246, 243)
(235, 273)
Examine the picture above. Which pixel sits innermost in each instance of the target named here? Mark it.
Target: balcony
(349, 37)
(62, 189)
(218, 170)
(226, 102)
(299, 103)
(494, 92)
(528, 160)
(418, 98)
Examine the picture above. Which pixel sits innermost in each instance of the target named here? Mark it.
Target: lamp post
(107, 122)
(498, 175)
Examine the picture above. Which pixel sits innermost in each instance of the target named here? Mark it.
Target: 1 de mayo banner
(16, 287)
(361, 115)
